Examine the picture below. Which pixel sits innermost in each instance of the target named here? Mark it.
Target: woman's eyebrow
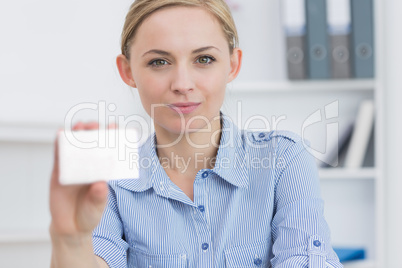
(157, 51)
(202, 49)
(165, 53)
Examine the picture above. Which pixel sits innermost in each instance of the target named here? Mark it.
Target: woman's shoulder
(271, 136)
(275, 138)
(277, 142)
(257, 136)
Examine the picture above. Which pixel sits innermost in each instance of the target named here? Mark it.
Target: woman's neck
(187, 154)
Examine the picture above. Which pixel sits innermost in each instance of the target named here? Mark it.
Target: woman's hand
(75, 209)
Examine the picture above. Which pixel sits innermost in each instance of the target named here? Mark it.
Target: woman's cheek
(216, 85)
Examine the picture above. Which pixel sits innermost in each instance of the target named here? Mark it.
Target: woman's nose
(182, 80)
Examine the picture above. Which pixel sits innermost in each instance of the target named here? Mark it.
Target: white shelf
(347, 174)
(25, 237)
(304, 86)
(361, 264)
(27, 132)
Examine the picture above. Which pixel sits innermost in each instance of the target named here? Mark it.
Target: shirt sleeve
(301, 236)
(108, 242)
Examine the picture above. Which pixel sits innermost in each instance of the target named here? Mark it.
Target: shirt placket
(201, 221)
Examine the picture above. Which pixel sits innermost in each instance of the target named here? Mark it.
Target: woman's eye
(158, 63)
(205, 60)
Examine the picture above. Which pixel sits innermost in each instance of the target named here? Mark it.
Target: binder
(361, 135)
(350, 254)
(294, 22)
(339, 29)
(337, 152)
(369, 159)
(362, 38)
(317, 39)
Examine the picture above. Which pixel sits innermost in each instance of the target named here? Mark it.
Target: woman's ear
(235, 63)
(123, 65)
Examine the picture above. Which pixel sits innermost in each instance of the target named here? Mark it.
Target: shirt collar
(230, 162)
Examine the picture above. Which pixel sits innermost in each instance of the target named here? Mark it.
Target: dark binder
(362, 38)
(339, 30)
(294, 21)
(317, 39)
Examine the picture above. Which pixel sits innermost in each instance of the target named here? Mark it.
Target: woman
(225, 207)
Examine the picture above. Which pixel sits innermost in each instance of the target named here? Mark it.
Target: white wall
(55, 54)
(393, 132)
(25, 254)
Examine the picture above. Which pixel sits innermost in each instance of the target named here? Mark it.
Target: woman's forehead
(183, 14)
(181, 26)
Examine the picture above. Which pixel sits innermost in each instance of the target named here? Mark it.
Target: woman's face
(180, 63)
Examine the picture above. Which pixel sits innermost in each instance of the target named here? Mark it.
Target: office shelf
(346, 174)
(364, 85)
(25, 237)
(361, 264)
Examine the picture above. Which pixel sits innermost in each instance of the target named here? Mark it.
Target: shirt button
(201, 208)
(317, 243)
(205, 246)
(261, 135)
(257, 261)
(205, 174)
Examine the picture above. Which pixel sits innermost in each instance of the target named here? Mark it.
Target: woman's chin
(186, 128)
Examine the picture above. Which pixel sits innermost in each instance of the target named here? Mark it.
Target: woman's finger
(79, 126)
(55, 172)
(112, 126)
(98, 192)
(91, 125)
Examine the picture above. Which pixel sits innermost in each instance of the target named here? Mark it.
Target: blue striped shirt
(260, 206)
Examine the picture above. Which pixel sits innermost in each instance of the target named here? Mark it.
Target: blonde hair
(141, 9)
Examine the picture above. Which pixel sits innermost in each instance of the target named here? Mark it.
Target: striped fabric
(259, 207)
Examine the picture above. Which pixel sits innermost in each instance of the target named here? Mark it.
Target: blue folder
(317, 39)
(350, 254)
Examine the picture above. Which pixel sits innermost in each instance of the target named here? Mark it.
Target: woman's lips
(184, 107)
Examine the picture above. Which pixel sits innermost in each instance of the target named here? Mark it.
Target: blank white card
(88, 156)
